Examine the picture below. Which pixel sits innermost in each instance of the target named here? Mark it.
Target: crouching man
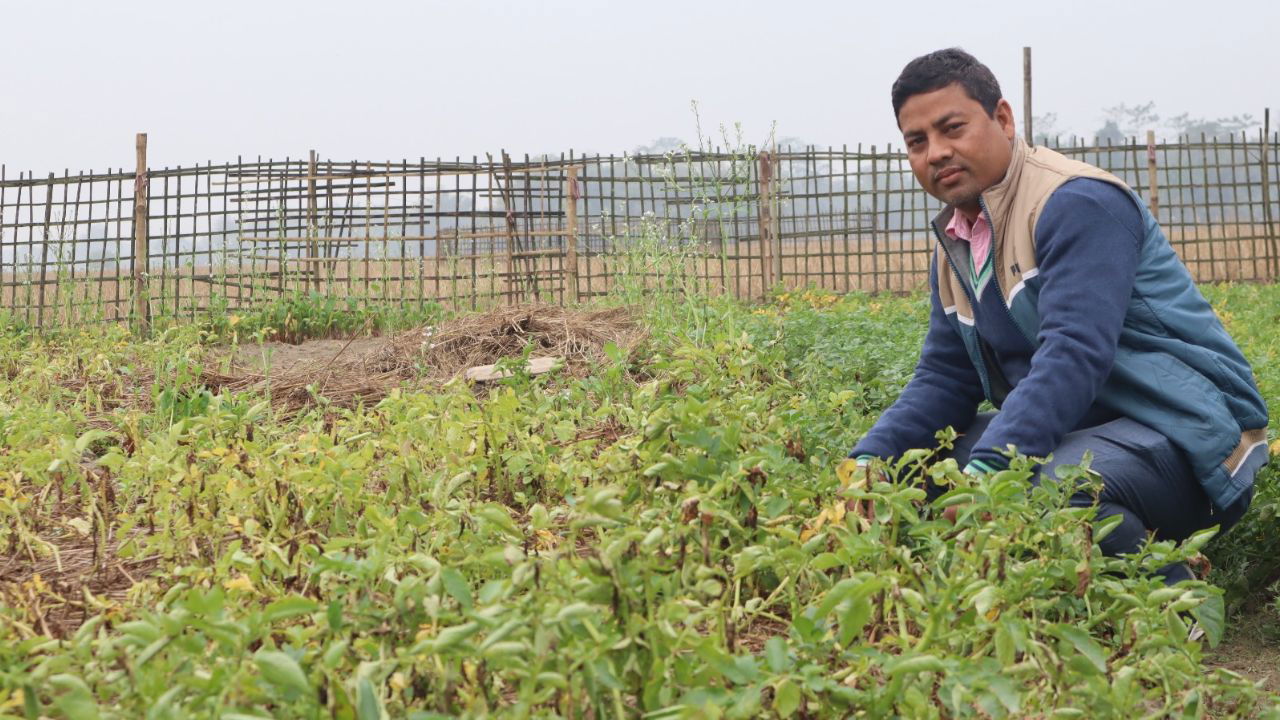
(1057, 297)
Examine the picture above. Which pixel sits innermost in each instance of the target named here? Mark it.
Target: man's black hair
(941, 68)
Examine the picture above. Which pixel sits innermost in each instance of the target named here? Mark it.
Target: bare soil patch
(348, 372)
(281, 358)
(1252, 648)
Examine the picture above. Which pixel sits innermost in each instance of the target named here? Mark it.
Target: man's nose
(939, 152)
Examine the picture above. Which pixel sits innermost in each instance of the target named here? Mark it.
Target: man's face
(956, 150)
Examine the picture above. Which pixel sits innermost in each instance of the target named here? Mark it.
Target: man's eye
(954, 126)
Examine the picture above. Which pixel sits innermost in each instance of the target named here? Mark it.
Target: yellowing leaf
(850, 474)
(398, 681)
(239, 582)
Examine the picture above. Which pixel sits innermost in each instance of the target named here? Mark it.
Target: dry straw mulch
(439, 354)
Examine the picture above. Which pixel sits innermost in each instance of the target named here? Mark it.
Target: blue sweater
(1088, 240)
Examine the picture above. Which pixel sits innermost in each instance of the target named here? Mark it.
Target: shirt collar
(961, 229)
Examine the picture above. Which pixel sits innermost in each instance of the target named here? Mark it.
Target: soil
(274, 358)
(1251, 647)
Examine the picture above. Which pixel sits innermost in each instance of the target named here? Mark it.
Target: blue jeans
(1145, 479)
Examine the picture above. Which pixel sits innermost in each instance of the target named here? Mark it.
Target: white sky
(395, 79)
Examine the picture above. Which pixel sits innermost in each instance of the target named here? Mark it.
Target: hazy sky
(394, 79)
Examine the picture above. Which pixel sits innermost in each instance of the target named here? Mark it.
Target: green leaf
(854, 619)
(1211, 614)
(914, 664)
(282, 671)
(775, 653)
(1105, 526)
(452, 636)
(31, 704)
(786, 698)
(289, 606)
(497, 515)
(836, 595)
(1006, 649)
(1199, 539)
(75, 699)
(368, 704)
(1004, 691)
(334, 653)
(1085, 645)
(162, 706)
(457, 587)
(985, 599)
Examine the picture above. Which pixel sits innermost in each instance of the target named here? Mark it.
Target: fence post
(312, 266)
(1153, 190)
(1267, 216)
(775, 215)
(44, 253)
(571, 231)
(766, 221)
(1026, 93)
(141, 251)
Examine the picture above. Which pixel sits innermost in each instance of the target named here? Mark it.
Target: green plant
(665, 537)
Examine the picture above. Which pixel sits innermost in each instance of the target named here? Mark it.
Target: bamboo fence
(132, 244)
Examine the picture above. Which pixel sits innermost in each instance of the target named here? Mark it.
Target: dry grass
(436, 355)
(69, 567)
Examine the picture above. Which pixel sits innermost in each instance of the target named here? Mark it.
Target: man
(1057, 297)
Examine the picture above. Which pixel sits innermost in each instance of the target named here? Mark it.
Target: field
(197, 525)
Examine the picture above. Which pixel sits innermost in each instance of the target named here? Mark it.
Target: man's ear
(1004, 116)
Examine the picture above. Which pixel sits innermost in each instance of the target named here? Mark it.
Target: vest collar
(999, 197)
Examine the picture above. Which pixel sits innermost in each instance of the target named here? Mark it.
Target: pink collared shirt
(977, 234)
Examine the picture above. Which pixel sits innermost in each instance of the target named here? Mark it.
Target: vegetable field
(656, 529)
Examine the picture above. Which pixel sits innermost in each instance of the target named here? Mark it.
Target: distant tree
(1131, 120)
(1193, 127)
(1045, 128)
(664, 144)
(1110, 132)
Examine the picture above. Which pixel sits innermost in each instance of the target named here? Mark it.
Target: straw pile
(439, 354)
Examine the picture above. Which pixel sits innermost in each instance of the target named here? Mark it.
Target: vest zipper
(995, 273)
(982, 361)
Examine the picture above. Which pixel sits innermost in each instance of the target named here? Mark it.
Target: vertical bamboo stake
(766, 220)
(1267, 217)
(44, 250)
(571, 229)
(313, 245)
(141, 253)
(775, 216)
(1153, 190)
(1026, 93)
(875, 224)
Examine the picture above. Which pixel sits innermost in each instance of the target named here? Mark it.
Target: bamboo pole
(1026, 94)
(1267, 217)
(311, 215)
(766, 221)
(571, 231)
(1153, 190)
(141, 252)
(44, 249)
(775, 217)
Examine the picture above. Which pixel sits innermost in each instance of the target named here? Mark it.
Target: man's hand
(973, 469)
